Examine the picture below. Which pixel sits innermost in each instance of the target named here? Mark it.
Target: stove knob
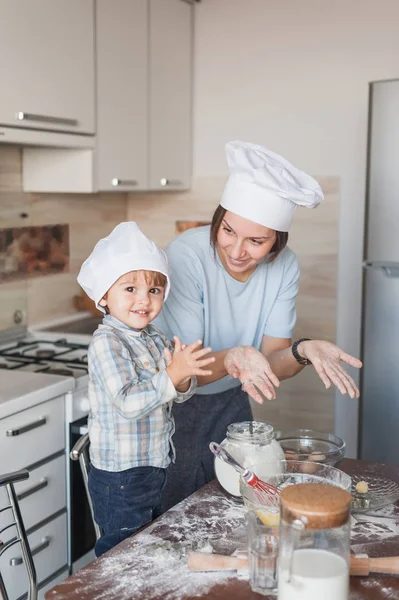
(84, 404)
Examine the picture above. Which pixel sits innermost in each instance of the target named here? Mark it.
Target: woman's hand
(326, 359)
(252, 369)
(186, 361)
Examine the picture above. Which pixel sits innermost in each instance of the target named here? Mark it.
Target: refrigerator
(379, 400)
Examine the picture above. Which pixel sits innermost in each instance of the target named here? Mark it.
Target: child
(133, 380)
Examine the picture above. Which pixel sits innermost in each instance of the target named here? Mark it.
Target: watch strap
(294, 348)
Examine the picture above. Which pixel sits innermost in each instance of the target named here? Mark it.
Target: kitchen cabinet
(47, 54)
(170, 99)
(122, 94)
(35, 439)
(144, 94)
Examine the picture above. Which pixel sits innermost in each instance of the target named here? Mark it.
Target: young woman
(234, 286)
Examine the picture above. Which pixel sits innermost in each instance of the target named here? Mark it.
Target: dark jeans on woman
(199, 421)
(124, 501)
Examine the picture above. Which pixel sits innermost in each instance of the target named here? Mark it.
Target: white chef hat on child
(265, 188)
(125, 249)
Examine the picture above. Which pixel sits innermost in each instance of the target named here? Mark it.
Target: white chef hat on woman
(125, 249)
(265, 188)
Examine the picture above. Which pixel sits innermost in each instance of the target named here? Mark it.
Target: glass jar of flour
(250, 443)
(314, 542)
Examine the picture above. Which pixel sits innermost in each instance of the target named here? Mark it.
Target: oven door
(82, 534)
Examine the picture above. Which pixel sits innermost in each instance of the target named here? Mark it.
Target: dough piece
(362, 487)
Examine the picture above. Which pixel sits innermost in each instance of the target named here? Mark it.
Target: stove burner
(45, 353)
(56, 371)
(58, 357)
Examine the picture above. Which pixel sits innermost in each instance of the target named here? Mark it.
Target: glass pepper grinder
(314, 542)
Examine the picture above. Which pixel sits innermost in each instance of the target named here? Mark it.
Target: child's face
(133, 301)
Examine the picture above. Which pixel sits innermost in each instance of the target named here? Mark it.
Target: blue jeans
(124, 501)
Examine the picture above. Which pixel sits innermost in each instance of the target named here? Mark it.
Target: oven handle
(25, 428)
(45, 543)
(79, 429)
(35, 488)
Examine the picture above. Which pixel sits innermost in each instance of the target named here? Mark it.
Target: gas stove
(58, 357)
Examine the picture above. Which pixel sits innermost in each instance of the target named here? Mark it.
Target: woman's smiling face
(242, 245)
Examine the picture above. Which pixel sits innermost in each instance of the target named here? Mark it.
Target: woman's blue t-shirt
(206, 303)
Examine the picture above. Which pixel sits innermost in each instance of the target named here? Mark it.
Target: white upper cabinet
(122, 94)
(144, 94)
(170, 84)
(47, 57)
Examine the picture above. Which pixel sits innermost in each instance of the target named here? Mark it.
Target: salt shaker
(250, 443)
(314, 542)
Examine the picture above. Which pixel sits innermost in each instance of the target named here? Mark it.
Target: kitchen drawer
(40, 496)
(31, 435)
(52, 584)
(52, 539)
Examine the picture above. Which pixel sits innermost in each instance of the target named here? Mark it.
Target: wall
(90, 217)
(294, 75)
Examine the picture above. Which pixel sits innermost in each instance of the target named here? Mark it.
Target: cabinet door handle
(24, 116)
(25, 428)
(35, 488)
(121, 182)
(165, 182)
(45, 543)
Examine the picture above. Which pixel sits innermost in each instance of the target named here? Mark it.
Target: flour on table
(373, 528)
(150, 567)
(374, 585)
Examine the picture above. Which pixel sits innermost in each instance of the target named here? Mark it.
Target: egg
(308, 467)
(290, 455)
(317, 457)
(268, 518)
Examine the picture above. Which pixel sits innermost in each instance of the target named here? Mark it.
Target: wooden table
(151, 565)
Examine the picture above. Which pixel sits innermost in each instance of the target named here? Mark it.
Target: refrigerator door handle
(389, 269)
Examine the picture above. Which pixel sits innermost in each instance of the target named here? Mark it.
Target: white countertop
(19, 390)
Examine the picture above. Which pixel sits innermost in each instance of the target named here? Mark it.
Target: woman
(234, 286)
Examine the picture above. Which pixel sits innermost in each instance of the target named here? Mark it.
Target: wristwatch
(297, 356)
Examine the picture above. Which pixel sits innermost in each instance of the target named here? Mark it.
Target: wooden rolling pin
(359, 564)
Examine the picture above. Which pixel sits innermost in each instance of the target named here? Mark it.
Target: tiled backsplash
(89, 216)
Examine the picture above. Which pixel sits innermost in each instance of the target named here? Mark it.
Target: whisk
(266, 493)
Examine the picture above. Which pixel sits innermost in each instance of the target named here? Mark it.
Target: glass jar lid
(319, 505)
(251, 432)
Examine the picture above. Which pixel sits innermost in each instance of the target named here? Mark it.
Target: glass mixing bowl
(309, 444)
(288, 472)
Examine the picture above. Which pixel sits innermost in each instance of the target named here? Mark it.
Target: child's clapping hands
(186, 361)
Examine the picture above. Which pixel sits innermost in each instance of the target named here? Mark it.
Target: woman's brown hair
(217, 219)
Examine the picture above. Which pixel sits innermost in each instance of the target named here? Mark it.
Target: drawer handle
(24, 116)
(123, 182)
(35, 488)
(45, 543)
(165, 182)
(25, 428)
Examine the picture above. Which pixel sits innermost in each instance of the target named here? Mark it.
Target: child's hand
(187, 361)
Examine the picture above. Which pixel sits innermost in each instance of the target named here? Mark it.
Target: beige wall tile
(10, 168)
(90, 217)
